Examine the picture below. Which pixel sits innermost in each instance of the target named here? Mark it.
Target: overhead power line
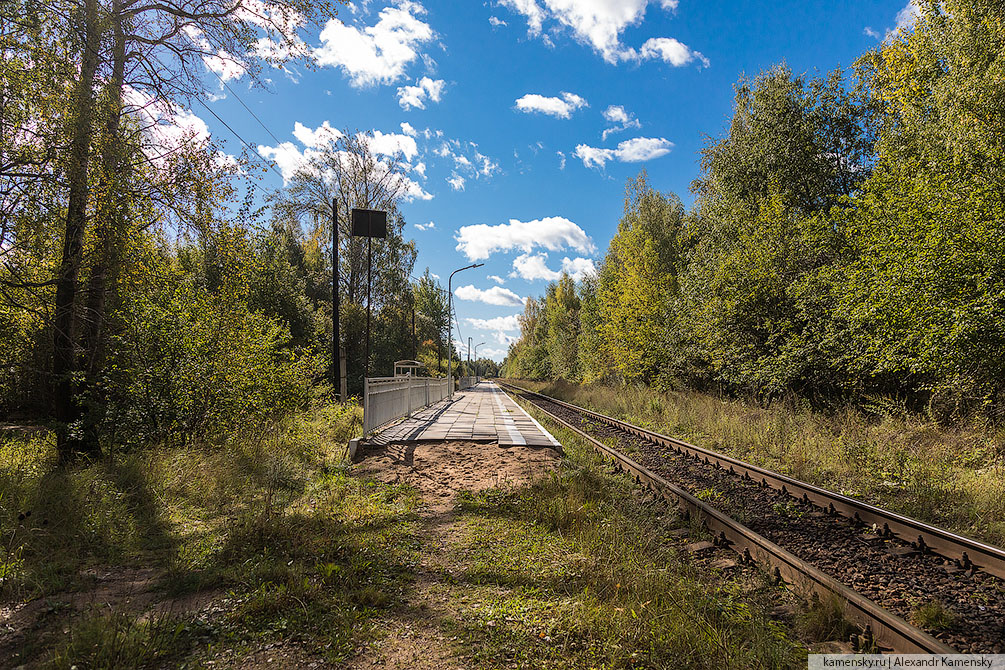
(234, 93)
(269, 163)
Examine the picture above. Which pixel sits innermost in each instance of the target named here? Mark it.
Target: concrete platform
(482, 413)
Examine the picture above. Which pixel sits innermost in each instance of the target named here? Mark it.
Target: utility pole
(450, 324)
(468, 369)
(338, 372)
(369, 301)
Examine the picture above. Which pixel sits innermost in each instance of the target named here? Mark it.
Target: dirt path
(417, 632)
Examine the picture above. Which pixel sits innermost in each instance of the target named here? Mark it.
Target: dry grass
(578, 570)
(951, 477)
(269, 528)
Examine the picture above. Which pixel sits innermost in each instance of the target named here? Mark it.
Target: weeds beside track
(904, 579)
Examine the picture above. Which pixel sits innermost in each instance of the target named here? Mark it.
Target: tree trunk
(64, 360)
(108, 225)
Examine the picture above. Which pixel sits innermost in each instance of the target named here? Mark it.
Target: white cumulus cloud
(671, 51)
(416, 96)
(562, 107)
(553, 233)
(392, 144)
(531, 10)
(643, 149)
(497, 295)
(497, 279)
(593, 156)
(495, 354)
(425, 226)
(616, 114)
(578, 268)
(535, 266)
(376, 54)
(622, 119)
(600, 24)
(318, 137)
(500, 327)
(290, 158)
(635, 150)
(506, 323)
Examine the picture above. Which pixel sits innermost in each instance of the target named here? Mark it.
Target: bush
(187, 364)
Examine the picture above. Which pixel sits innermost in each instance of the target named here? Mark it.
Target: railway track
(882, 564)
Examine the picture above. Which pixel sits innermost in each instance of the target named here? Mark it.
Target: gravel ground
(889, 572)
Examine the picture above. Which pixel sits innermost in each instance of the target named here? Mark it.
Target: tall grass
(950, 476)
(269, 519)
(579, 570)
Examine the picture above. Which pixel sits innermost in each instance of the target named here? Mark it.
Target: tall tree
(157, 52)
(638, 282)
(431, 312)
(561, 311)
(347, 172)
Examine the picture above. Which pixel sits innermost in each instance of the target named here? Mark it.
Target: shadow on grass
(102, 512)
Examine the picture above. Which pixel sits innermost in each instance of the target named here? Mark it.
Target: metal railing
(467, 382)
(388, 398)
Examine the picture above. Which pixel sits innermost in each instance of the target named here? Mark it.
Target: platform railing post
(409, 395)
(366, 405)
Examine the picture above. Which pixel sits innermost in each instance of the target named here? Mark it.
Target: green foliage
(638, 283)
(431, 323)
(561, 313)
(188, 364)
(846, 241)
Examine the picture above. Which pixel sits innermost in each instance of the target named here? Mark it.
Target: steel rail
(887, 630)
(966, 551)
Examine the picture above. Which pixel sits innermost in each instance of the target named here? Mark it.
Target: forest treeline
(846, 241)
(148, 291)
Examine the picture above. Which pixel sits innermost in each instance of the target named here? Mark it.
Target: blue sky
(499, 109)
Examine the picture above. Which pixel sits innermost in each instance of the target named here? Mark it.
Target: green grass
(579, 571)
(576, 570)
(108, 641)
(824, 620)
(949, 476)
(933, 615)
(270, 522)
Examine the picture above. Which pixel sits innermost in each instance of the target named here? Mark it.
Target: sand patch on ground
(438, 470)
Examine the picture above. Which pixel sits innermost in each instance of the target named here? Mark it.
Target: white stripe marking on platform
(514, 434)
(539, 426)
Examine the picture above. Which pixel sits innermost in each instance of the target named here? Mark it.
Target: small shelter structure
(407, 368)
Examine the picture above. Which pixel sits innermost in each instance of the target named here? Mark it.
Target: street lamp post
(476, 357)
(450, 324)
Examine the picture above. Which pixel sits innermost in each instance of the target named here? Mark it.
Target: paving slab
(482, 413)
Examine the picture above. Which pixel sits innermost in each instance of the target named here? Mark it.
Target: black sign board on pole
(369, 223)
